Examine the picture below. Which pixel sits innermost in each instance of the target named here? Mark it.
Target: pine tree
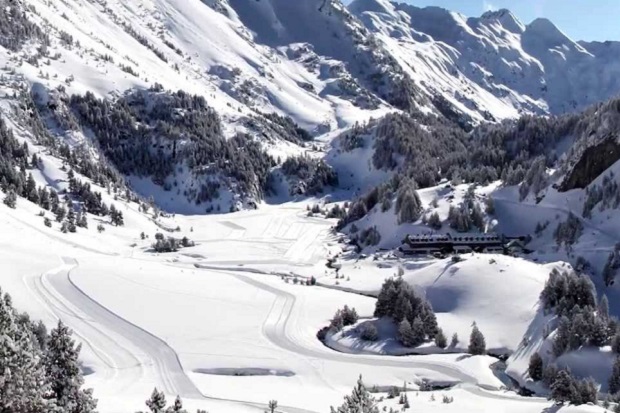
(10, 199)
(402, 306)
(81, 220)
(550, 372)
(434, 221)
(454, 341)
(349, 316)
(63, 370)
(418, 333)
(562, 336)
(440, 339)
(405, 333)
(337, 322)
(360, 401)
(429, 319)
(614, 380)
(599, 334)
(61, 212)
(578, 332)
(587, 392)
(536, 367)
(477, 343)
(70, 214)
(408, 204)
(157, 402)
(369, 332)
(610, 269)
(116, 216)
(177, 407)
(603, 308)
(563, 388)
(22, 383)
(387, 298)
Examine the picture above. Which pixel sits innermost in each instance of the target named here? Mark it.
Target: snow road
(277, 329)
(120, 344)
(130, 351)
(157, 341)
(127, 350)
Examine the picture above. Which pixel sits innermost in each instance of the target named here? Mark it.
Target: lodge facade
(432, 244)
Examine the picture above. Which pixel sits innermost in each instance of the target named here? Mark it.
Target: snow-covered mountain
(493, 66)
(313, 123)
(320, 62)
(324, 65)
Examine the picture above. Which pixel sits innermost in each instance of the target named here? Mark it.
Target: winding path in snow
(129, 352)
(130, 349)
(276, 328)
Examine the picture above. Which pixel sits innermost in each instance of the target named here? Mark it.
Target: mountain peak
(542, 32)
(506, 18)
(545, 28)
(374, 6)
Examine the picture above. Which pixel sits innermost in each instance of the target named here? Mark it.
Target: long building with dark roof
(448, 244)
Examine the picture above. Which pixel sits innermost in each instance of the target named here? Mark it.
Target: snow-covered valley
(172, 321)
(239, 202)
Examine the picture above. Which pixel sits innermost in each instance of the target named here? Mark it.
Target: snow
(495, 291)
(493, 64)
(209, 322)
(163, 320)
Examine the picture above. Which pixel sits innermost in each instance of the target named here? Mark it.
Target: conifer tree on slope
(440, 339)
(177, 407)
(603, 308)
(614, 380)
(157, 402)
(360, 401)
(477, 343)
(63, 370)
(536, 367)
(418, 334)
(405, 334)
(22, 377)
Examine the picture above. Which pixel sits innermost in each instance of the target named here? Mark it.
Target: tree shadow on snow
(552, 409)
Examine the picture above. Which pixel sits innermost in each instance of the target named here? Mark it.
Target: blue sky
(580, 19)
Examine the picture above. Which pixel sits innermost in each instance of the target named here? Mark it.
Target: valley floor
(217, 323)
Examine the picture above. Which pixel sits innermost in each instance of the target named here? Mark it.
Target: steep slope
(493, 66)
(168, 42)
(324, 65)
(331, 31)
(113, 49)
